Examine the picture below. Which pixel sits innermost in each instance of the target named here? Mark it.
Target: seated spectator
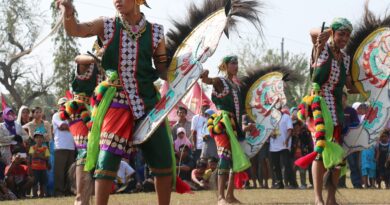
(17, 175)
(148, 183)
(5, 193)
(197, 176)
(181, 139)
(382, 156)
(184, 163)
(124, 174)
(39, 156)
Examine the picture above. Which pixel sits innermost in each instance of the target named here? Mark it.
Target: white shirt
(124, 171)
(198, 122)
(277, 144)
(63, 139)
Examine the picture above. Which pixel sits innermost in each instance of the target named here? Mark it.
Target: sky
(288, 19)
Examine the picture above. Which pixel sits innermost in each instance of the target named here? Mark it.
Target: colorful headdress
(341, 24)
(226, 60)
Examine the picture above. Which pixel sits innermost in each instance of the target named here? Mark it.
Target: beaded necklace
(136, 31)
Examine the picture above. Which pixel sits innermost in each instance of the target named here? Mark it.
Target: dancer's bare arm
(73, 28)
(160, 60)
(319, 39)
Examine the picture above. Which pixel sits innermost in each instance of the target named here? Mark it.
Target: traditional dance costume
(125, 97)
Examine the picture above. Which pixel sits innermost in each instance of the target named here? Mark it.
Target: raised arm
(319, 39)
(73, 28)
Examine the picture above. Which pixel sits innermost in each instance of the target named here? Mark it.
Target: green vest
(86, 82)
(231, 100)
(331, 76)
(132, 59)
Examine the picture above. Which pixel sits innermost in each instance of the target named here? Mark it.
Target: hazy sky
(291, 19)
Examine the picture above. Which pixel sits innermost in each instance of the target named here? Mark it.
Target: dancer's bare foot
(232, 200)
(222, 201)
(319, 202)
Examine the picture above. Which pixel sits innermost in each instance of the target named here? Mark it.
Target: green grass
(254, 196)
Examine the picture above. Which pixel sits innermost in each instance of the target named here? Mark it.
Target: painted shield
(370, 72)
(263, 97)
(184, 71)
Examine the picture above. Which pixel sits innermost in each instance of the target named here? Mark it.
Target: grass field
(254, 196)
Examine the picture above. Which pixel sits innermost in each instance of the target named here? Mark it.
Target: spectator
(301, 146)
(198, 123)
(181, 139)
(64, 153)
(124, 174)
(38, 124)
(351, 119)
(184, 163)
(280, 145)
(39, 156)
(182, 122)
(361, 109)
(197, 176)
(11, 136)
(247, 126)
(368, 167)
(17, 175)
(148, 183)
(209, 148)
(23, 115)
(382, 155)
(5, 193)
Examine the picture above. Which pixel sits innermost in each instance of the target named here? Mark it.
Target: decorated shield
(184, 70)
(370, 72)
(263, 97)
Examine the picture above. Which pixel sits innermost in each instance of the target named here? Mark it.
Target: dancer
(131, 43)
(329, 74)
(86, 77)
(227, 98)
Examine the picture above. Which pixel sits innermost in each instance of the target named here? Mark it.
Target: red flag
(195, 98)
(3, 102)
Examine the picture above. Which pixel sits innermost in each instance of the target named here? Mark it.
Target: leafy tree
(65, 50)
(19, 24)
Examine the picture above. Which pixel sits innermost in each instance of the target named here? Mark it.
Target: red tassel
(182, 187)
(306, 160)
(239, 179)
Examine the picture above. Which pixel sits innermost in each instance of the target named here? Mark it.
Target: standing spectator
(301, 146)
(247, 126)
(11, 136)
(181, 139)
(197, 125)
(382, 154)
(23, 115)
(39, 156)
(182, 122)
(280, 146)
(40, 125)
(209, 148)
(368, 167)
(17, 175)
(64, 152)
(351, 119)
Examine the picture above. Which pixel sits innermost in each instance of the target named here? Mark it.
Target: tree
(65, 50)
(253, 54)
(19, 23)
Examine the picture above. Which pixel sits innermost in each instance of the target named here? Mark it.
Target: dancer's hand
(66, 4)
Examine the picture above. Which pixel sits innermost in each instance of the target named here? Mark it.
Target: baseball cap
(62, 101)
(209, 111)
